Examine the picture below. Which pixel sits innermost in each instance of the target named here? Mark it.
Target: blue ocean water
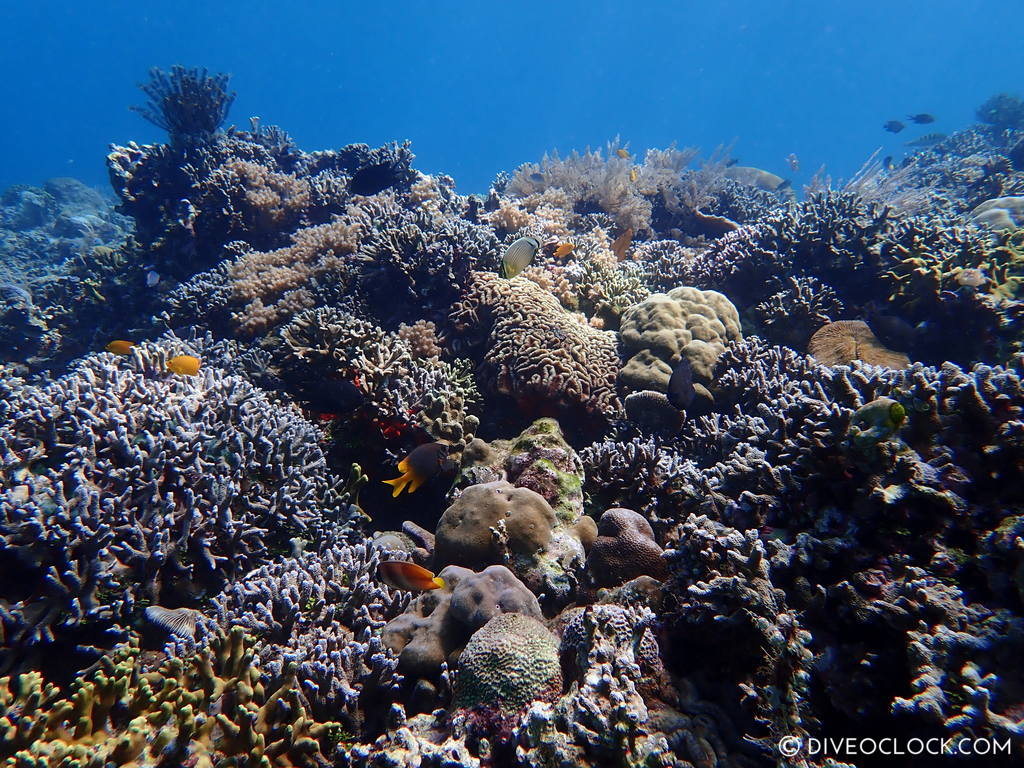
(481, 87)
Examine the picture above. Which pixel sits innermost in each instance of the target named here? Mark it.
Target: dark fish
(680, 385)
(921, 119)
(893, 126)
(418, 467)
(888, 163)
(927, 140)
(537, 178)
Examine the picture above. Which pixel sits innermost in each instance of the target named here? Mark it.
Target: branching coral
(187, 103)
(210, 709)
(316, 617)
(123, 482)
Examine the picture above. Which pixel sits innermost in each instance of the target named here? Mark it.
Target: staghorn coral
(210, 709)
(123, 482)
(535, 352)
(316, 617)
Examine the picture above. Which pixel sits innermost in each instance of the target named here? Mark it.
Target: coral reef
(203, 559)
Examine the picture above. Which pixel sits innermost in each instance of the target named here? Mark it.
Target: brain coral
(685, 322)
(536, 352)
(510, 662)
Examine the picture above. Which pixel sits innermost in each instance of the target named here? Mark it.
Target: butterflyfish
(401, 574)
(518, 256)
(183, 365)
(564, 250)
(633, 175)
(418, 467)
(120, 347)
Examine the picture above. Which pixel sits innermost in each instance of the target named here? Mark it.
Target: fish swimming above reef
(927, 140)
(893, 126)
(422, 464)
(624, 154)
(680, 385)
(922, 118)
(518, 256)
(537, 178)
(401, 574)
(756, 177)
(120, 347)
(621, 243)
(184, 365)
(793, 162)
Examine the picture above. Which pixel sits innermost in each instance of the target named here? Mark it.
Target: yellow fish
(120, 346)
(183, 365)
(418, 467)
(401, 574)
(564, 250)
(633, 175)
(518, 256)
(622, 153)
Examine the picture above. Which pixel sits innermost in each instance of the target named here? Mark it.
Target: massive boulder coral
(207, 709)
(437, 625)
(509, 662)
(123, 481)
(624, 549)
(666, 327)
(536, 352)
(496, 522)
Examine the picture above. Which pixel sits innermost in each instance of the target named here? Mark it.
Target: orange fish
(419, 466)
(401, 574)
(633, 175)
(564, 250)
(120, 346)
(183, 365)
(621, 243)
(622, 153)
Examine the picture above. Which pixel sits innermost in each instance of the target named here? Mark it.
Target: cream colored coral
(661, 330)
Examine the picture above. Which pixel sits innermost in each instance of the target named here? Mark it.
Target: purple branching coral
(125, 483)
(322, 612)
